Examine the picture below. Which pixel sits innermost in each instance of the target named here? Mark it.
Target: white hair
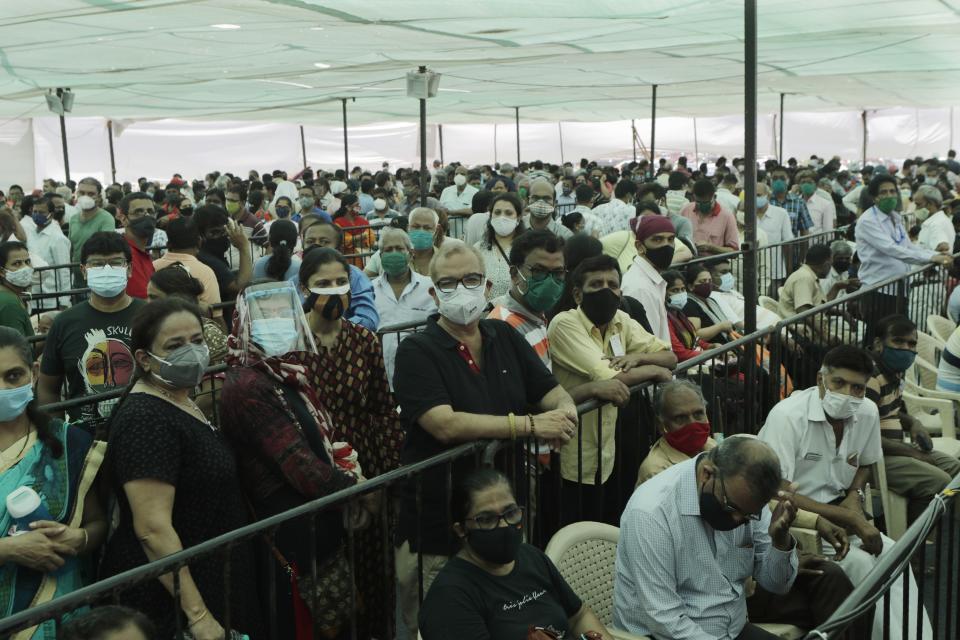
(436, 216)
(391, 233)
(453, 247)
(930, 194)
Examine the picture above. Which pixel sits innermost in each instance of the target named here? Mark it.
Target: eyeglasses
(116, 263)
(538, 273)
(469, 281)
(729, 507)
(511, 516)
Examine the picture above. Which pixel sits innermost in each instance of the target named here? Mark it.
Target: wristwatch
(863, 497)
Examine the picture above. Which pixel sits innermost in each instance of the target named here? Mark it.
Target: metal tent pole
(424, 181)
(66, 152)
(653, 130)
(346, 155)
(633, 137)
(750, 166)
(440, 133)
(303, 147)
(780, 153)
(560, 131)
(696, 143)
(516, 116)
(863, 152)
(113, 160)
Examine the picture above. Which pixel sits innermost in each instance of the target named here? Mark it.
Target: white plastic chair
(938, 416)
(929, 348)
(894, 504)
(585, 554)
(770, 305)
(940, 328)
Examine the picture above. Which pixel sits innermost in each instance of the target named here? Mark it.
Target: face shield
(271, 322)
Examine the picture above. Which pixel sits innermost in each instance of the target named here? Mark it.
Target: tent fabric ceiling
(557, 60)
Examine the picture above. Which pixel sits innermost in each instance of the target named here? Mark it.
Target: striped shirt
(886, 391)
(948, 372)
(532, 327)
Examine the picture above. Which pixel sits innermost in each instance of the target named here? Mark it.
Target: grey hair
(764, 186)
(826, 184)
(452, 247)
(929, 193)
(390, 233)
(841, 248)
(664, 390)
(436, 216)
(752, 459)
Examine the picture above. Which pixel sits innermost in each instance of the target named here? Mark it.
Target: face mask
(600, 306)
(905, 194)
(726, 282)
(779, 186)
(283, 212)
(840, 406)
(496, 546)
(86, 203)
(841, 266)
(713, 512)
(21, 278)
(887, 204)
(703, 289)
(503, 225)
(13, 402)
(540, 209)
(567, 191)
(459, 179)
(306, 203)
(808, 188)
(421, 239)
(462, 306)
(333, 301)
(40, 219)
(183, 368)
(705, 207)
(542, 293)
(661, 257)
(689, 439)
(394, 263)
(897, 360)
(275, 336)
(523, 193)
(762, 201)
(217, 246)
(107, 281)
(186, 211)
(922, 214)
(143, 227)
(232, 206)
(930, 180)
(679, 300)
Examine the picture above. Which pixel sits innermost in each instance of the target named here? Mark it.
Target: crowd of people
(220, 351)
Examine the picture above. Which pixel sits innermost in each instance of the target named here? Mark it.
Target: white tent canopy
(289, 62)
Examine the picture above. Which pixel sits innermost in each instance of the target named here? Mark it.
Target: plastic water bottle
(25, 506)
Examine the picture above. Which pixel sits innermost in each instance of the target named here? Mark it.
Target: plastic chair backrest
(585, 554)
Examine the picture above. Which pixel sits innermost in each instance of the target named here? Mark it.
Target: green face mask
(523, 193)
(807, 188)
(887, 204)
(543, 292)
(394, 263)
(705, 207)
(232, 207)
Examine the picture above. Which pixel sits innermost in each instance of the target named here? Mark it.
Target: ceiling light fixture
(225, 26)
(321, 65)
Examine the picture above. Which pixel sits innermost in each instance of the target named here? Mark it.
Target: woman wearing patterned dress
(352, 382)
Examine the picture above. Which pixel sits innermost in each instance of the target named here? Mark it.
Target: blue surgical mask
(421, 239)
(726, 282)
(14, 401)
(762, 202)
(107, 281)
(275, 336)
(679, 300)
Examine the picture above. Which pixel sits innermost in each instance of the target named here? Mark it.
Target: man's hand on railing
(611, 390)
(943, 259)
(835, 536)
(555, 427)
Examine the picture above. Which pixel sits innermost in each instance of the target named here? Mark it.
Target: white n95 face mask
(840, 406)
(462, 306)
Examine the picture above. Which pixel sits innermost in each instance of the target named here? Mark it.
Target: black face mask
(496, 546)
(143, 227)
(217, 246)
(600, 306)
(186, 211)
(841, 266)
(661, 257)
(713, 512)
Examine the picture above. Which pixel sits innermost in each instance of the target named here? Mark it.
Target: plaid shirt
(800, 219)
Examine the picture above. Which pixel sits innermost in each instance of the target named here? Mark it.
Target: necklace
(26, 440)
(190, 406)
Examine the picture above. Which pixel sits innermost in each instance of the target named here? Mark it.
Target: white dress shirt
(727, 199)
(677, 577)
(852, 200)
(823, 213)
(797, 429)
(454, 201)
(641, 281)
(414, 305)
(884, 248)
(614, 216)
(776, 224)
(52, 247)
(937, 229)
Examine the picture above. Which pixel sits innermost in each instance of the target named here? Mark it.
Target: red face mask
(690, 438)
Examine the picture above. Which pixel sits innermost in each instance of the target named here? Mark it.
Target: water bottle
(25, 506)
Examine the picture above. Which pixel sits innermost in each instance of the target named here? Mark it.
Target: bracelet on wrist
(199, 618)
(512, 422)
(533, 428)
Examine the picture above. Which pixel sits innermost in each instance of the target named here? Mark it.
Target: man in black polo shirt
(462, 379)
(217, 232)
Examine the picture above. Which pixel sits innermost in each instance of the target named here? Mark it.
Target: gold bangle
(512, 421)
(199, 618)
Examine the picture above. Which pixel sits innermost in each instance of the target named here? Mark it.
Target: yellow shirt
(577, 350)
(801, 288)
